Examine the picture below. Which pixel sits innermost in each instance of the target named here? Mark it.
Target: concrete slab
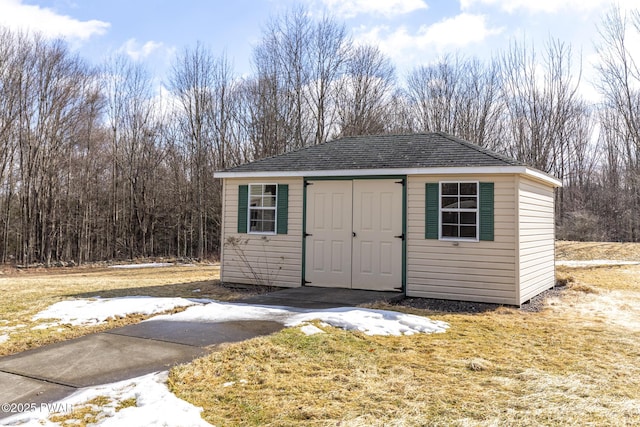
(19, 389)
(315, 297)
(97, 359)
(197, 333)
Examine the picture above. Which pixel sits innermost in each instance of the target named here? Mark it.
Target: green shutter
(283, 208)
(486, 210)
(431, 207)
(243, 207)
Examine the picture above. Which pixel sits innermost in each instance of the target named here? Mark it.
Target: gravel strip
(534, 305)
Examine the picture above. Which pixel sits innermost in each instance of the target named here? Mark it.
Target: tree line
(95, 165)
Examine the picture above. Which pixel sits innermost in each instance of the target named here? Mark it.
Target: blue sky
(411, 32)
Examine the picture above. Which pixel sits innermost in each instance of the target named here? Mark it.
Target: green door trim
(307, 180)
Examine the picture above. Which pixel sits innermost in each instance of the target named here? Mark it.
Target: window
(459, 210)
(262, 208)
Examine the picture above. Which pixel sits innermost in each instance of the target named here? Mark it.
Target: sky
(411, 32)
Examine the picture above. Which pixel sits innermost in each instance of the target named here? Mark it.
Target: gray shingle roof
(424, 150)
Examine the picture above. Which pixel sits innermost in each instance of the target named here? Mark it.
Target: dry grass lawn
(582, 251)
(26, 292)
(575, 363)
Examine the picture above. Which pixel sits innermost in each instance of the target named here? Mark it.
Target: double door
(354, 234)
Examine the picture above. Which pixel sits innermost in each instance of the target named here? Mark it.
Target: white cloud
(137, 51)
(548, 6)
(458, 31)
(18, 16)
(388, 8)
(451, 33)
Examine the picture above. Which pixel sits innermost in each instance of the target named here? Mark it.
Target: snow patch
(4, 338)
(228, 312)
(143, 265)
(311, 330)
(367, 321)
(43, 326)
(372, 322)
(595, 262)
(97, 310)
(155, 405)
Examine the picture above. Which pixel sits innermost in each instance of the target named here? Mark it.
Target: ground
(25, 292)
(573, 361)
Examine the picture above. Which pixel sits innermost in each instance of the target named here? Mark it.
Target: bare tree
(10, 72)
(366, 92)
(619, 84)
(541, 104)
(459, 96)
(135, 154)
(208, 128)
(329, 49)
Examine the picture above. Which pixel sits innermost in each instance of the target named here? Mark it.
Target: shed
(429, 215)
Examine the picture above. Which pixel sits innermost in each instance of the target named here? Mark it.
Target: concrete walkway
(52, 372)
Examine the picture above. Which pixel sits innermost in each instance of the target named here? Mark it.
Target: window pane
(450, 217)
(269, 226)
(468, 202)
(468, 231)
(255, 215)
(255, 226)
(449, 202)
(450, 188)
(255, 201)
(270, 190)
(269, 201)
(269, 215)
(467, 218)
(468, 188)
(449, 231)
(256, 190)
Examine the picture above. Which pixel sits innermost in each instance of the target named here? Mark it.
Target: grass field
(579, 251)
(574, 363)
(26, 292)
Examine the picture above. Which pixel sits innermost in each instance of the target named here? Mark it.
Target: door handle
(401, 237)
(354, 233)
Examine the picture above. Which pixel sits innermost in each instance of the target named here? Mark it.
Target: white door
(377, 231)
(354, 231)
(328, 244)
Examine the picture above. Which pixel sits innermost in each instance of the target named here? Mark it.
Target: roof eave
(457, 170)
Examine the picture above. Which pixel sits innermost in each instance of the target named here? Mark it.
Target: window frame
(262, 208)
(459, 210)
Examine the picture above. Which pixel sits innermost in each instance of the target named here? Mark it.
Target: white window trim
(275, 210)
(477, 209)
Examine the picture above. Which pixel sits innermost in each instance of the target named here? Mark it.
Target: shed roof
(390, 153)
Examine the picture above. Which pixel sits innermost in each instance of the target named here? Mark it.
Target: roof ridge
(479, 149)
(381, 135)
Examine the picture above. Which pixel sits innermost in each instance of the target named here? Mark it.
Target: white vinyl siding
(536, 238)
(275, 259)
(482, 271)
